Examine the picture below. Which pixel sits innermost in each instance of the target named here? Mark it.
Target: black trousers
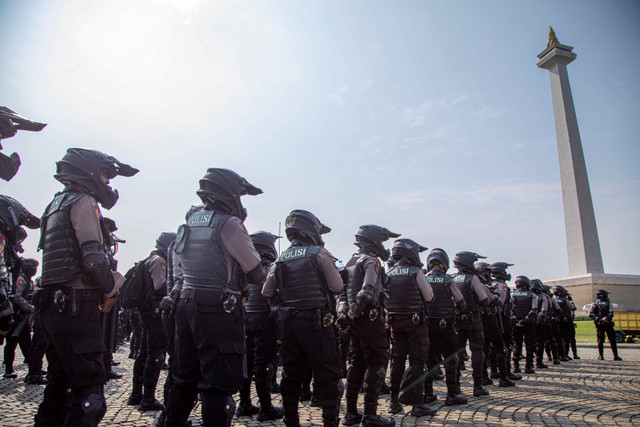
(261, 336)
(494, 346)
(11, 343)
(150, 360)
(471, 331)
(75, 353)
(303, 343)
(37, 348)
(209, 357)
(407, 339)
(369, 355)
(601, 331)
(442, 341)
(526, 332)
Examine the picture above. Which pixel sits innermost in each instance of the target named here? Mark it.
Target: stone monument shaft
(583, 245)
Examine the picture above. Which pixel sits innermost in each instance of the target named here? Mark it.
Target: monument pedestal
(623, 289)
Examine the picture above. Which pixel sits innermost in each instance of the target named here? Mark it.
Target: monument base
(624, 289)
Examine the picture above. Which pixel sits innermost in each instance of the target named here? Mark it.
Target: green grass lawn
(585, 331)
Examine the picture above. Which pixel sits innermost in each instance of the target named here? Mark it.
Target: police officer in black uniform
(305, 279)
(146, 369)
(542, 329)
(525, 314)
(601, 313)
(565, 321)
(77, 276)
(23, 310)
(469, 322)
(500, 278)
(492, 328)
(409, 292)
(261, 337)
(554, 341)
(13, 215)
(363, 304)
(218, 258)
(442, 338)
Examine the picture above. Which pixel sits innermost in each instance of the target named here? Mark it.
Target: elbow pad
(96, 266)
(462, 306)
(257, 275)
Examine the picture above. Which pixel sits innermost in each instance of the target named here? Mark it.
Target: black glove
(343, 322)
(364, 299)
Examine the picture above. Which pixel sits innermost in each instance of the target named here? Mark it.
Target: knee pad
(93, 409)
(158, 360)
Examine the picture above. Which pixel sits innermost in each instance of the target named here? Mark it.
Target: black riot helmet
(499, 271)
(371, 237)
(482, 267)
(546, 289)
(407, 249)
(537, 286)
(222, 188)
(13, 215)
(163, 241)
(438, 256)
(523, 282)
(464, 261)
(305, 226)
(82, 166)
(559, 291)
(265, 244)
(29, 266)
(602, 295)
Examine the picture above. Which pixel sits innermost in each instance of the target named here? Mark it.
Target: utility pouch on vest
(73, 302)
(284, 313)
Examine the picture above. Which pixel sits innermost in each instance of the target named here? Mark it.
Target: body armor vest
(603, 308)
(61, 260)
(404, 295)
(355, 270)
(522, 303)
(203, 257)
(463, 282)
(299, 280)
(256, 303)
(540, 298)
(442, 305)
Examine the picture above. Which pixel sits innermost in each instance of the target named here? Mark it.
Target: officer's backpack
(136, 289)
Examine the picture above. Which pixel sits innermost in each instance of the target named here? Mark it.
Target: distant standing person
(602, 314)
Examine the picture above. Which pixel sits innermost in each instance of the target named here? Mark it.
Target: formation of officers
(219, 301)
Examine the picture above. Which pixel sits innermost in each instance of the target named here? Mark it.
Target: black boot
(292, 421)
(136, 395)
(455, 400)
(247, 410)
(394, 405)
(422, 410)
(516, 366)
(9, 373)
(352, 418)
(273, 413)
(478, 390)
(377, 421)
(149, 401)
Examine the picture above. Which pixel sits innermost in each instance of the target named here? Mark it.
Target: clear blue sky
(429, 118)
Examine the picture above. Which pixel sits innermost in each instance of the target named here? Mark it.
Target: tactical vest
(463, 282)
(442, 305)
(603, 307)
(355, 270)
(299, 280)
(540, 299)
(256, 303)
(404, 295)
(490, 310)
(203, 257)
(61, 260)
(522, 303)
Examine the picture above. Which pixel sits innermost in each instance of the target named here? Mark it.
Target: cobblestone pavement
(578, 393)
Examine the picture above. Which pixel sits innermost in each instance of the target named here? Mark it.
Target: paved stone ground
(578, 393)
